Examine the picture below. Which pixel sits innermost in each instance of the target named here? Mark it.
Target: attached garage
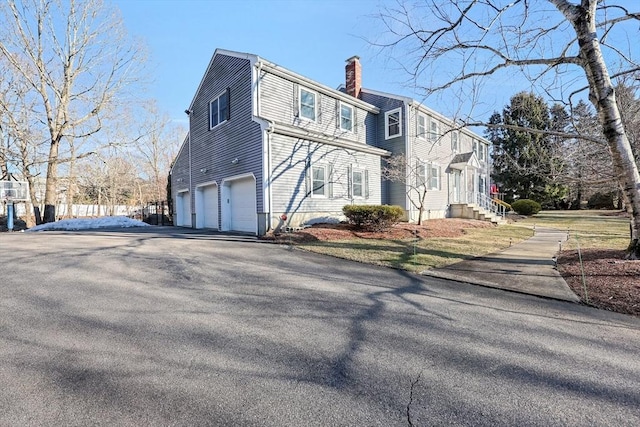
(207, 206)
(239, 205)
(183, 209)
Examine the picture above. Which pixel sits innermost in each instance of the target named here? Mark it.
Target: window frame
(423, 134)
(300, 105)
(352, 121)
(476, 147)
(216, 100)
(482, 153)
(432, 167)
(434, 135)
(455, 145)
(325, 187)
(387, 135)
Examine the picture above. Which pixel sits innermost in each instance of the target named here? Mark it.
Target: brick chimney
(353, 76)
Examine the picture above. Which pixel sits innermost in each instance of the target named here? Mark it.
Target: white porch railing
(487, 203)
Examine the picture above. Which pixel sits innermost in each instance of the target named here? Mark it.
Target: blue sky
(312, 38)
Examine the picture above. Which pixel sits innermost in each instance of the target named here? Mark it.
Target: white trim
(386, 123)
(183, 190)
(315, 104)
(223, 93)
(434, 135)
(354, 169)
(325, 185)
(431, 166)
(422, 135)
(224, 194)
(457, 135)
(353, 115)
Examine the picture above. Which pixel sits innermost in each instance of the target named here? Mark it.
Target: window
(475, 147)
(357, 183)
(307, 104)
(434, 177)
(428, 174)
(346, 117)
(433, 130)
(482, 152)
(421, 131)
(421, 174)
(319, 181)
(482, 184)
(219, 110)
(454, 141)
(392, 121)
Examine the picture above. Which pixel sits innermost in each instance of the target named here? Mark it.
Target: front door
(457, 178)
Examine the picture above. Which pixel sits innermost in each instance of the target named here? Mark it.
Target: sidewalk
(528, 267)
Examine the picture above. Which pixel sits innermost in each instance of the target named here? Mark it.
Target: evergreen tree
(524, 164)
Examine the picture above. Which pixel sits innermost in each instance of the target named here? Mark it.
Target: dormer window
(392, 121)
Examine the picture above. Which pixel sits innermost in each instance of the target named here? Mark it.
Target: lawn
(422, 253)
(595, 229)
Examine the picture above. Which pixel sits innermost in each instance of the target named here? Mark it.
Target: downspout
(408, 156)
(269, 132)
(190, 177)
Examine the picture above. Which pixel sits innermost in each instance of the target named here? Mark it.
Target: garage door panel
(185, 209)
(243, 205)
(210, 206)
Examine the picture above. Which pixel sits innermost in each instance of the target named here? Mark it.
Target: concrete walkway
(528, 267)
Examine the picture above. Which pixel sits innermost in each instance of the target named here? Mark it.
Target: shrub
(601, 201)
(526, 207)
(373, 217)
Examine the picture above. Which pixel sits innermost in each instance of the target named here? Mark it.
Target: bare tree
(461, 43)
(155, 150)
(416, 177)
(77, 59)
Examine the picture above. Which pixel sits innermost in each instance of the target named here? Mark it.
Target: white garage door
(243, 209)
(210, 206)
(184, 209)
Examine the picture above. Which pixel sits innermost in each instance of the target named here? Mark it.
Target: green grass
(589, 228)
(420, 254)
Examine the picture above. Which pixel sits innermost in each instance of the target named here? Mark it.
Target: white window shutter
(296, 100)
(366, 183)
(330, 181)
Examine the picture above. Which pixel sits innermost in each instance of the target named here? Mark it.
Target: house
(268, 148)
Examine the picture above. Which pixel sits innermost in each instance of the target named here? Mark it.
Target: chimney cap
(353, 58)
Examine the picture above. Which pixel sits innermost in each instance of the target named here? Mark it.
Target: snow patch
(90, 224)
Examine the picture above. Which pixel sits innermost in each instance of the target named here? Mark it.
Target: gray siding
(180, 171)
(239, 137)
(291, 158)
(279, 103)
(393, 193)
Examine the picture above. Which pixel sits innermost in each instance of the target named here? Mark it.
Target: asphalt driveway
(169, 328)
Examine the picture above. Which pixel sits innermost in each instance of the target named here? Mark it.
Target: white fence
(78, 211)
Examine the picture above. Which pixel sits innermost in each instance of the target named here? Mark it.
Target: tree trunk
(50, 193)
(602, 95)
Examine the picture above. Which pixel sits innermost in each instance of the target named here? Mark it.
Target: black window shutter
(228, 103)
